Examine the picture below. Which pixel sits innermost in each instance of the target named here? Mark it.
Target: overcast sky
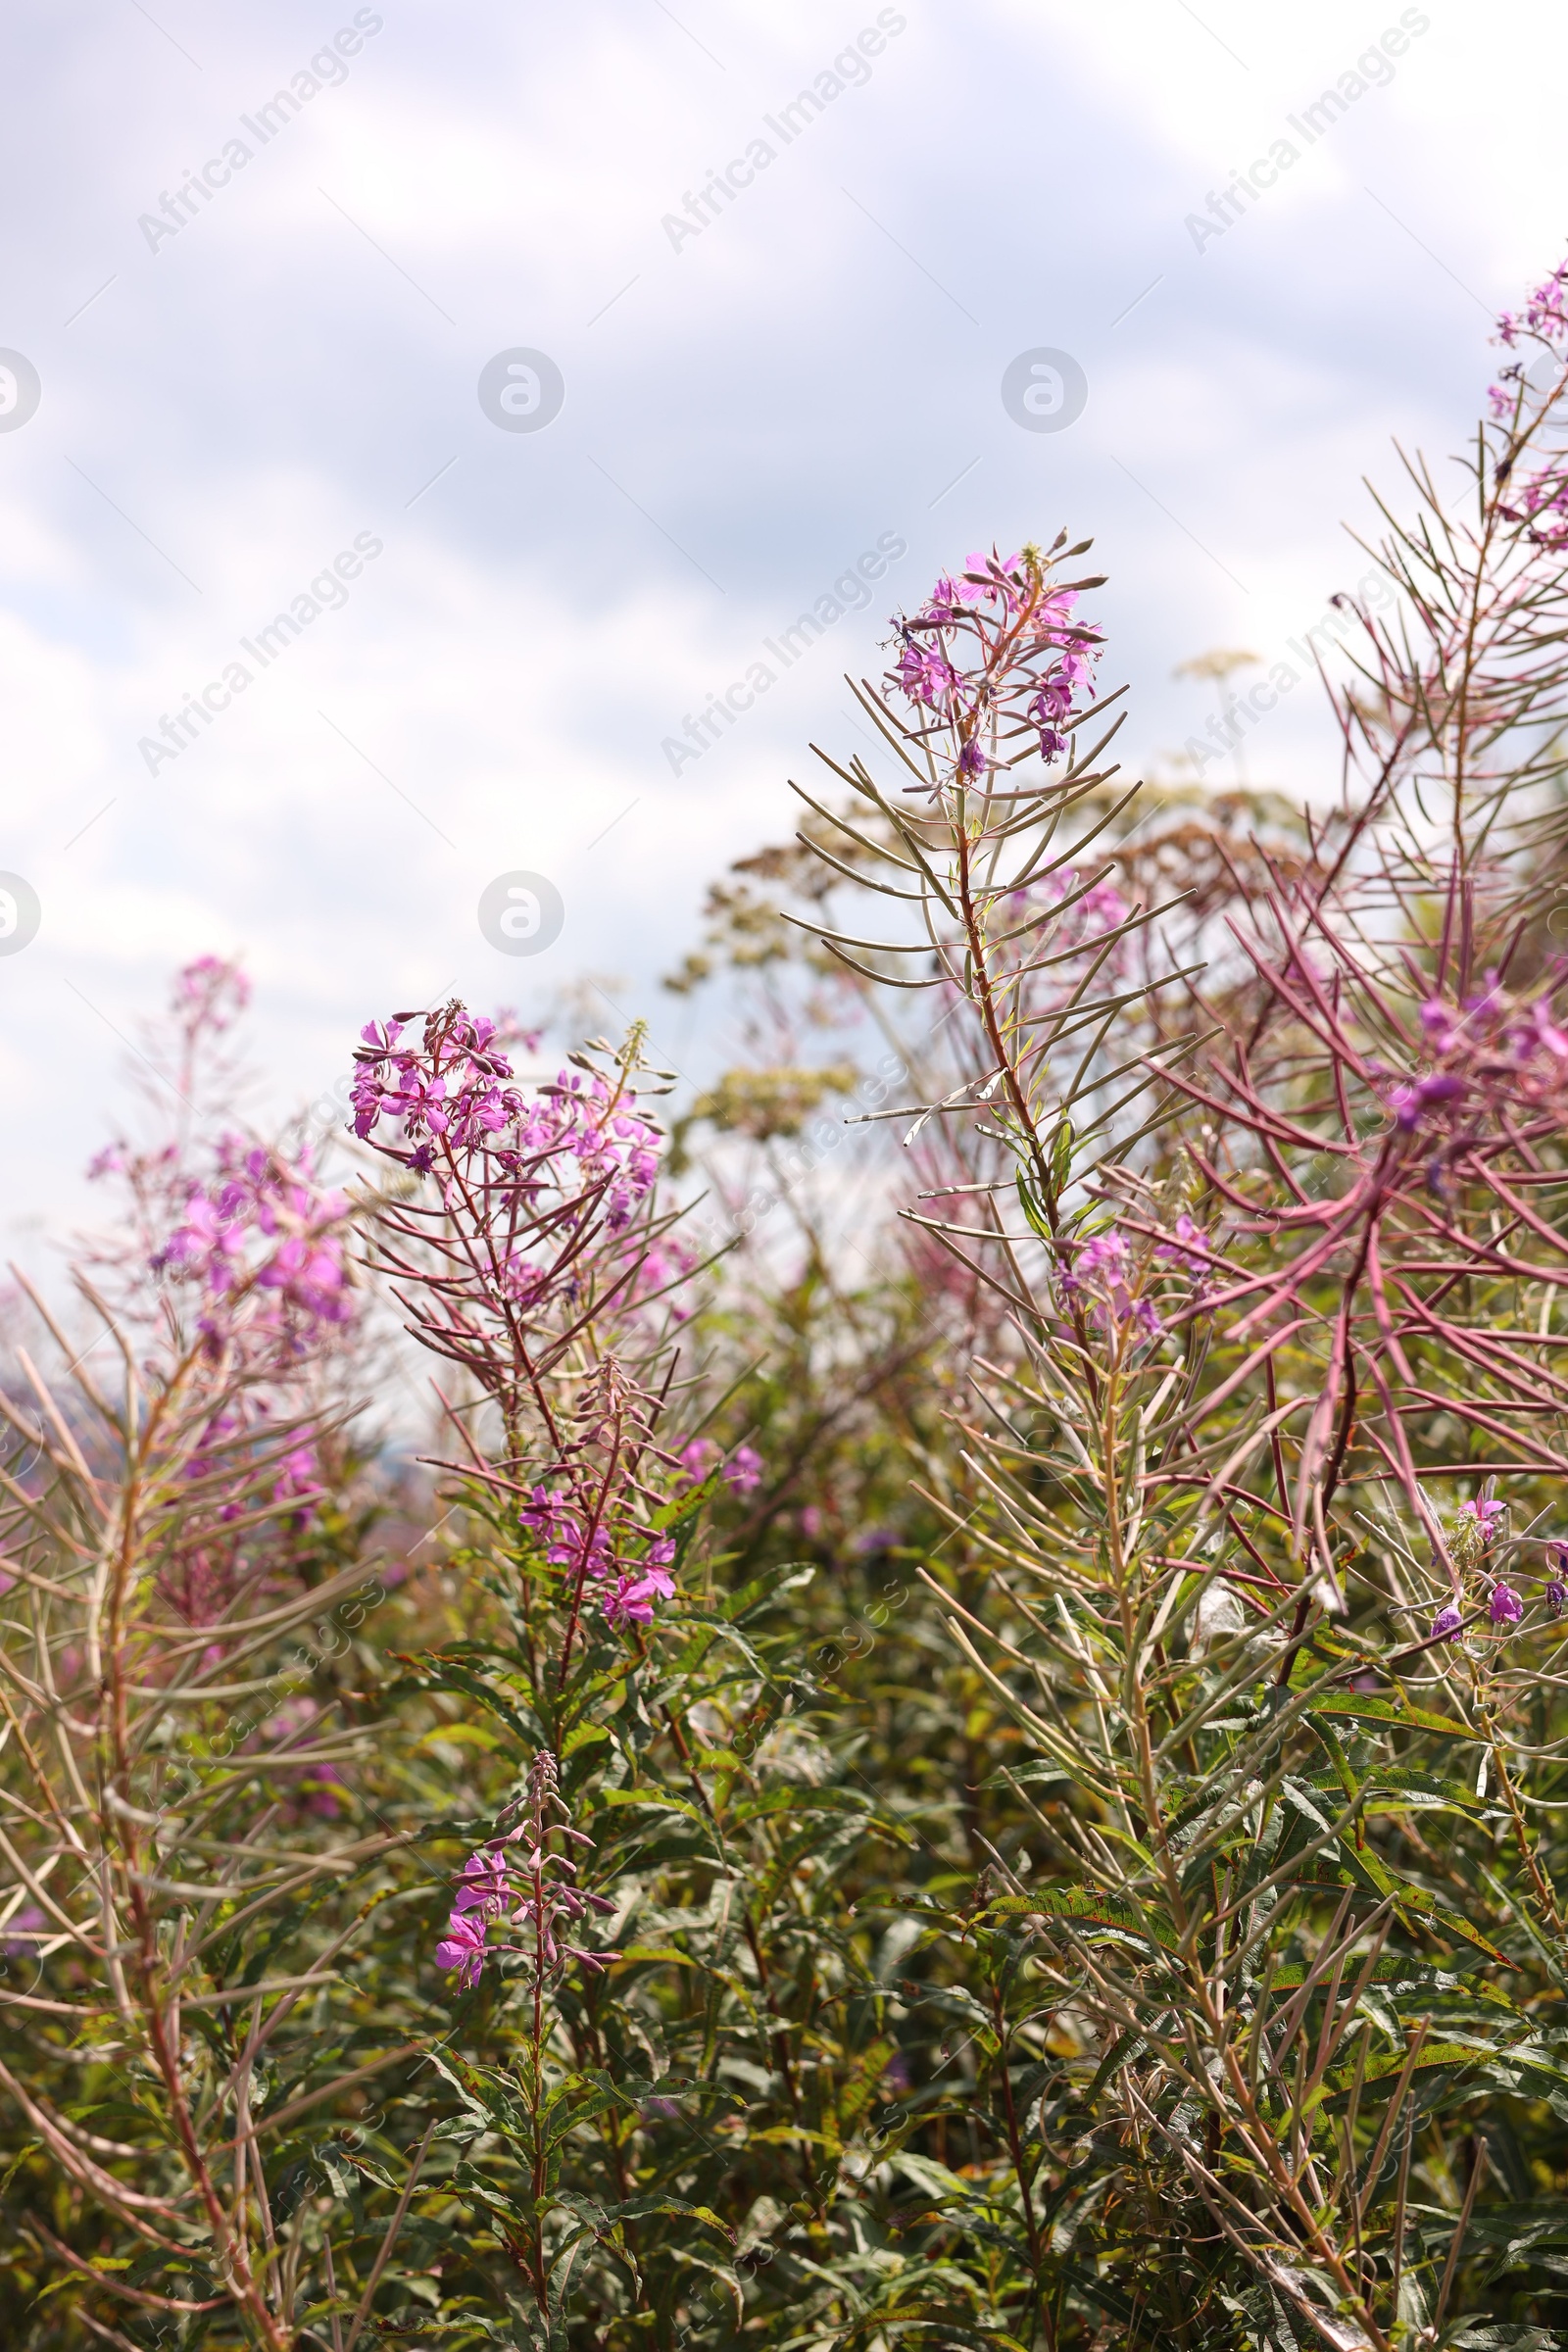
(259, 328)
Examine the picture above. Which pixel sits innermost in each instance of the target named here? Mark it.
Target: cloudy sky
(259, 328)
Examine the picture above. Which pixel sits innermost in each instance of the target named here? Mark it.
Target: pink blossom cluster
(211, 994)
(1540, 501)
(627, 1563)
(1188, 1247)
(1491, 1051)
(1545, 312)
(299, 1474)
(1484, 1518)
(1478, 1526)
(1101, 1272)
(295, 1721)
(450, 1096)
(1101, 908)
(1539, 494)
(260, 1231)
(742, 1473)
(1556, 1587)
(1504, 1608)
(255, 1247)
(234, 1221)
(219, 1539)
(520, 1879)
(23, 1932)
(992, 654)
(1543, 320)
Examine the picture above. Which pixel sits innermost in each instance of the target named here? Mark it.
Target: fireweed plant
(648, 1953)
(177, 1824)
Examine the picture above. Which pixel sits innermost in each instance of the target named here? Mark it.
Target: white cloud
(814, 369)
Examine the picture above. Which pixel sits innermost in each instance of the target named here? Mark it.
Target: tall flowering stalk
(168, 1582)
(529, 1250)
(1280, 1253)
(524, 1233)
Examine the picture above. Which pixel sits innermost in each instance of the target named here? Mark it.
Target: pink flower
(1410, 1102)
(211, 992)
(21, 1932)
(994, 645)
(1447, 1624)
(1101, 1269)
(1506, 1606)
(461, 1951)
(1189, 1247)
(743, 1470)
(1485, 1516)
(696, 1459)
(310, 1274)
(484, 1885)
(1439, 1027)
(927, 676)
(633, 1595)
(629, 1601)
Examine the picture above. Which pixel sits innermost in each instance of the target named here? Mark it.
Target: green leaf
(637, 2209)
(1402, 1717)
(1362, 1863)
(1099, 1910)
(1433, 2054)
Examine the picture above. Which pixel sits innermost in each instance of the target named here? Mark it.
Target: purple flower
(743, 1472)
(1446, 1623)
(1556, 1596)
(1540, 1031)
(1485, 1516)
(1190, 1247)
(995, 643)
(521, 1872)
(21, 1932)
(696, 1459)
(1411, 1103)
(1506, 1606)
(1101, 1268)
(896, 2077)
(484, 1885)
(1105, 1254)
(926, 676)
(633, 1596)
(209, 992)
(1438, 1026)
(1046, 710)
(461, 1951)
